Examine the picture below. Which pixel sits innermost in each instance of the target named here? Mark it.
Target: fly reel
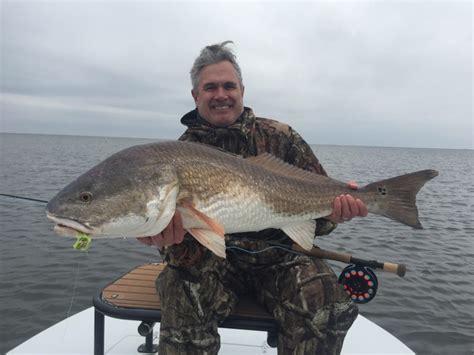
(359, 282)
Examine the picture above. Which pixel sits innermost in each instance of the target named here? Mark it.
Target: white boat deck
(75, 335)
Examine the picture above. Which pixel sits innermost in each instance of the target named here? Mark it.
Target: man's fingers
(156, 240)
(353, 185)
(168, 234)
(345, 209)
(363, 211)
(353, 206)
(178, 228)
(145, 240)
(336, 210)
(172, 234)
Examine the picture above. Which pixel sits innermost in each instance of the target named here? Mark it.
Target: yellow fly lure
(83, 242)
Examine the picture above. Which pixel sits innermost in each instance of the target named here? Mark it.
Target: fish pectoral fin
(302, 233)
(207, 231)
(193, 218)
(210, 239)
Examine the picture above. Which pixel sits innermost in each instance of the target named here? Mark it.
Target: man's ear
(194, 94)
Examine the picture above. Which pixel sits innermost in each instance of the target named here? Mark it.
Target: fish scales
(136, 191)
(240, 182)
(202, 172)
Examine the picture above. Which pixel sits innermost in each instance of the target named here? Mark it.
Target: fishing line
(76, 279)
(264, 250)
(73, 290)
(23, 198)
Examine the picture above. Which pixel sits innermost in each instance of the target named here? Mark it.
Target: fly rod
(399, 269)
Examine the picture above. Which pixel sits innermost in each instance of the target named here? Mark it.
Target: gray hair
(211, 55)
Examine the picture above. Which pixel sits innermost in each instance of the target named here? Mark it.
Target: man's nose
(221, 93)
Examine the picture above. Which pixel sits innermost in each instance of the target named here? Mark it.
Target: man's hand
(172, 234)
(347, 207)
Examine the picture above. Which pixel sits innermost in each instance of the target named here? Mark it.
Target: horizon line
(165, 139)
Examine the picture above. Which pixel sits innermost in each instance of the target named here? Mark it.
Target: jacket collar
(245, 121)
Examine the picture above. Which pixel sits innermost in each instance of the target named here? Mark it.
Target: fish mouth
(69, 227)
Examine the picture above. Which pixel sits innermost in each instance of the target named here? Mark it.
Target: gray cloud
(364, 73)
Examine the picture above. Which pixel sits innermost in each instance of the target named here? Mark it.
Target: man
(199, 289)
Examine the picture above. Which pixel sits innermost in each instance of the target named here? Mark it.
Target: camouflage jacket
(251, 136)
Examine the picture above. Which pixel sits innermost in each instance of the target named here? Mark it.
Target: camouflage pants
(302, 293)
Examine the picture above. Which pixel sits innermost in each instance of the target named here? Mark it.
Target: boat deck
(136, 290)
(132, 299)
(133, 296)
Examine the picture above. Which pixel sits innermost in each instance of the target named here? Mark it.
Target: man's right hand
(172, 234)
(346, 207)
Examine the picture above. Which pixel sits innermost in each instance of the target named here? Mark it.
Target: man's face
(219, 96)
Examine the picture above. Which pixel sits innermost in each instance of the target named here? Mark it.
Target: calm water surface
(43, 280)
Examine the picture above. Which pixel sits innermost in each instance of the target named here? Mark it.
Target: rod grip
(324, 254)
(399, 269)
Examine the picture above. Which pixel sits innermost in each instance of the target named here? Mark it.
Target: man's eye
(230, 86)
(209, 87)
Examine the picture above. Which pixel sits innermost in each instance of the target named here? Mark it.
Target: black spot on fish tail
(396, 197)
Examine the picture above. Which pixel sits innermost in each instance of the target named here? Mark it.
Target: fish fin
(210, 239)
(193, 218)
(396, 197)
(302, 233)
(278, 166)
(207, 231)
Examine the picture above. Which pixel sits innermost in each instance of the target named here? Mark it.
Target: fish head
(116, 199)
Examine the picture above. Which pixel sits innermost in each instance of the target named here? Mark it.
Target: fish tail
(396, 197)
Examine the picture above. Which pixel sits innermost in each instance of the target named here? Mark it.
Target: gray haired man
(197, 289)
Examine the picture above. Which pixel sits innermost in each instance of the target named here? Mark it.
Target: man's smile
(221, 107)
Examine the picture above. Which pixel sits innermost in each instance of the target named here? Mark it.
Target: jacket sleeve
(301, 155)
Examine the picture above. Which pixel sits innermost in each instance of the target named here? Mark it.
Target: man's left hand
(347, 207)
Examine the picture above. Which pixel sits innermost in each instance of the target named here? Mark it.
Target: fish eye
(85, 196)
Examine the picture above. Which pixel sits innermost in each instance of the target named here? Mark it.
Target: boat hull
(76, 335)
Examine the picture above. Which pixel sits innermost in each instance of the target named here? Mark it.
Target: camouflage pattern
(198, 290)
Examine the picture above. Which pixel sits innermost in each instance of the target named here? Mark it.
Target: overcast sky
(380, 73)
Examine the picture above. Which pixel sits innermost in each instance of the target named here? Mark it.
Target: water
(43, 280)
